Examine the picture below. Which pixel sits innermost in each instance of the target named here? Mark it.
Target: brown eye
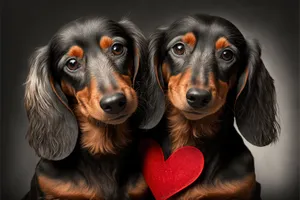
(178, 49)
(117, 49)
(227, 55)
(73, 64)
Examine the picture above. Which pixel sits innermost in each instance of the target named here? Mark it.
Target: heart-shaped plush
(166, 178)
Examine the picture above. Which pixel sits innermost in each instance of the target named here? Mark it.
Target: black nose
(197, 98)
(113, 104)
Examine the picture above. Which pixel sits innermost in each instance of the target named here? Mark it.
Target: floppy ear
(256, 106)
(151, 98)
(151, 88)
(140, 45)
(53, 129)
(156, 56)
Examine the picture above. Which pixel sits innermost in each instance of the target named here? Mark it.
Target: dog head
(201, 60)
(87, 69)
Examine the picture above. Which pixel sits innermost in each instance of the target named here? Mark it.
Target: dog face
(95, 64)
(199, 64)
(87, 70)
(200, 60)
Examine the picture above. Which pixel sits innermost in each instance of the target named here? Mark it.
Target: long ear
(140, 45)
(151, 98)
(53, 129)
(152, 91)
(256, 105)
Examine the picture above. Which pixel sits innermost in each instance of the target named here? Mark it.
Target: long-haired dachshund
(210, 74)
(79, 99)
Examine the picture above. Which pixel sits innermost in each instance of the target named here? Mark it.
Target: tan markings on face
(219, 94)
(105, 42)
(237, 189)
(177, 88)
(166, 71)
(221, 43)
(190, 39)
(97, 138)
(76, 51)
(95, 124)
(125, 84)
(219, 90)
(89, 101)
(180, 84)
(60, 189)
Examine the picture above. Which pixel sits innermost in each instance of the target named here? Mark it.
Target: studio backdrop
(26, 25)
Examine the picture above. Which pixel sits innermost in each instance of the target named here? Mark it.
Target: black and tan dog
(79, 100)
(211, 74)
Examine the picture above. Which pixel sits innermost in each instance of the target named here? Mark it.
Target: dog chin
(192, 116)
(119, 120)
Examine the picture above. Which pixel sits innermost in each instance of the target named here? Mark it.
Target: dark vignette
(26, 25)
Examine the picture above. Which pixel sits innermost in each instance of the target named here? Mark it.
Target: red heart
(166, 178)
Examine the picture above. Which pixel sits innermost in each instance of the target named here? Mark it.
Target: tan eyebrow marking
(105, 42)
(76, 51)
(222, 42)
(189, 38)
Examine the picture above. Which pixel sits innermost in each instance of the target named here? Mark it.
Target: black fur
(226, 156)
(256, 107)
(53, 128)
(151, 98)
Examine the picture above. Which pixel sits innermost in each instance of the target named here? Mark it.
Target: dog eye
(227, 55)
(178, 49)
(73, 64)
(117, 49)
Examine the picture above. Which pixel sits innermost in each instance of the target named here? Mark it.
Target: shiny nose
(198, 98)
(113, 104)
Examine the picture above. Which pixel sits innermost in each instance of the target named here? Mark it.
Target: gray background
(26, 25)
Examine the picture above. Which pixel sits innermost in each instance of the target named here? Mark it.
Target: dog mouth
(193, 115)
(193, 112)
(118, 120)
(113, 121)
(119, 117)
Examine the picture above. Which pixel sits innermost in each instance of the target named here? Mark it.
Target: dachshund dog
(80, 98)
(208, 74)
